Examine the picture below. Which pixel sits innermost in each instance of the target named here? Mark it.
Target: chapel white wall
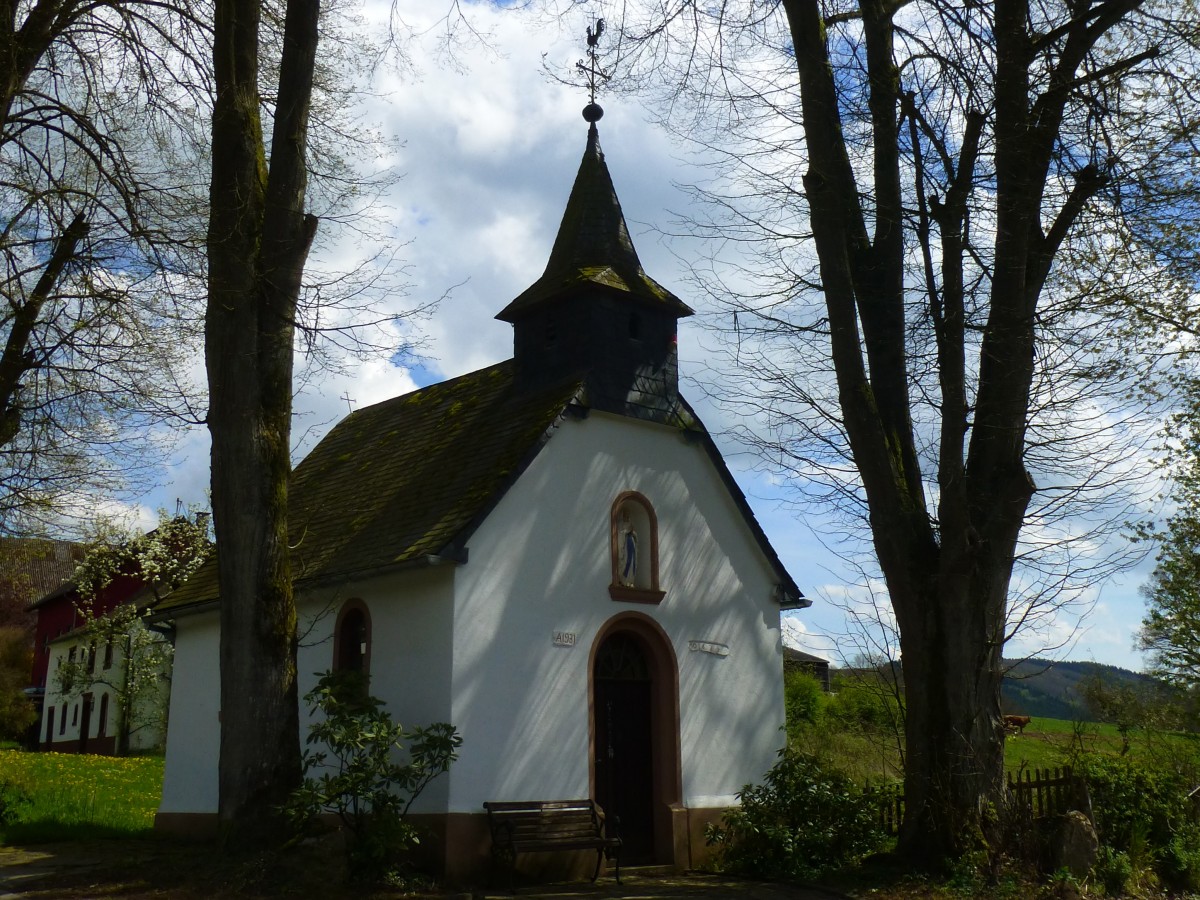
(410, 616)
(540, 564)
(193, 729)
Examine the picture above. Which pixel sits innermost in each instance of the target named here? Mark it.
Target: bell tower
(595, 312)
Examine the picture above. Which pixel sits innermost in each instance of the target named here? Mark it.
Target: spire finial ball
(592, 113)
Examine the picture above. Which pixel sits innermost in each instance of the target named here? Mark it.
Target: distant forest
(1035, 687)
(1056, 690)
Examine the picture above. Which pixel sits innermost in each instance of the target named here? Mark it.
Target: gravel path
(150, 871)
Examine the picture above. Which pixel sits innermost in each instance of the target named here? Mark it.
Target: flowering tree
(136, 659)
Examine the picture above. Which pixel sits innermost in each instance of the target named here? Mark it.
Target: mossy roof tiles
(407, 478)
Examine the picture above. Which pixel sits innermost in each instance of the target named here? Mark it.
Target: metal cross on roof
(591, 69)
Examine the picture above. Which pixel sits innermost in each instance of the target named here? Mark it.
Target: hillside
(1035, 687)
(1039, 687)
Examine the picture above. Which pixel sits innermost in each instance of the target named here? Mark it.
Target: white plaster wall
(54, 698)
(411, 614)
(193, 729)
(473, 644)
(541, 563)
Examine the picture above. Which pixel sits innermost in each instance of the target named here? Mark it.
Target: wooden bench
(532, 826)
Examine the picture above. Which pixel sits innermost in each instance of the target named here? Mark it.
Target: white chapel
(548, 553)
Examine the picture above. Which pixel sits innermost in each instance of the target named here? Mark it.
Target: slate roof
(593, 247)
(33, 567)
(407, 479)
(800, 656)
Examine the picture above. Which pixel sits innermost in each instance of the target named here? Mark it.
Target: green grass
(62, 796)
(872, 755)
(1048, 743)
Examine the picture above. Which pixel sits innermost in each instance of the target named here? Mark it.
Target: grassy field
(1046, 742)
(873, 755)
(59, 796)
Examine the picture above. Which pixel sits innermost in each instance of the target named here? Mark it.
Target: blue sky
(488, 155)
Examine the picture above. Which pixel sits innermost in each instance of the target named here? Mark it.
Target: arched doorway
(635, 735)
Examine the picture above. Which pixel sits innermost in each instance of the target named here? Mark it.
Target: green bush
(1134, 804)
(804, 819)
(356, 777)
(12, 799)
(1180, 860)
(1112, 871)
(1144, 820)
(864, 702)
(804, 698)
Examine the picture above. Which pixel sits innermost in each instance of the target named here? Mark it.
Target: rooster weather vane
(592, 71)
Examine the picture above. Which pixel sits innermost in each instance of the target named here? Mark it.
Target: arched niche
(633, 546)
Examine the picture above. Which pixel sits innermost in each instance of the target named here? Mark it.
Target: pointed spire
(593, 246)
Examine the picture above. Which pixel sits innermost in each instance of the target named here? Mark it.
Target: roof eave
(547, 289)
(788, 601)
(787, 592)
(328, 579)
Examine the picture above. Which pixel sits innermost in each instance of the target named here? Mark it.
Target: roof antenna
(592, 112)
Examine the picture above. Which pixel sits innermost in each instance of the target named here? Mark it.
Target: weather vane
(592, 112)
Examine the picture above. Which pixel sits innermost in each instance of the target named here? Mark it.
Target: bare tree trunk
(17, 359)
(947, 571)
(259, 237)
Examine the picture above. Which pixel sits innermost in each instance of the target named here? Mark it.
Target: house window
(91, 664)
(50, 725)
(75, 716)
(71, 655)
(102, 727)
(352, 639)
(633, 546)
(108, 654)
(62, 721)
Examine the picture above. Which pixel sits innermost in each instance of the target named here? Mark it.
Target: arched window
(633, 535)
(352, 639)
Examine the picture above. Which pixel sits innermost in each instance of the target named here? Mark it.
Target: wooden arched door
(624, 741)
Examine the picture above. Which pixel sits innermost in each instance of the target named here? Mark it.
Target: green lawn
(1046, 743)
(61, 796)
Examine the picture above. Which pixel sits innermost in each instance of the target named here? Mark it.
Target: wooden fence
(1048, 792)
(1041, 793)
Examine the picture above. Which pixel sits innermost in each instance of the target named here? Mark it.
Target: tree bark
(258, 241)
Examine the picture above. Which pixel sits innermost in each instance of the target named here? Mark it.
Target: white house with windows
(548, 553)
(88, 712)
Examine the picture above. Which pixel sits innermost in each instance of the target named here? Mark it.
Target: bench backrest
(562, 820)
